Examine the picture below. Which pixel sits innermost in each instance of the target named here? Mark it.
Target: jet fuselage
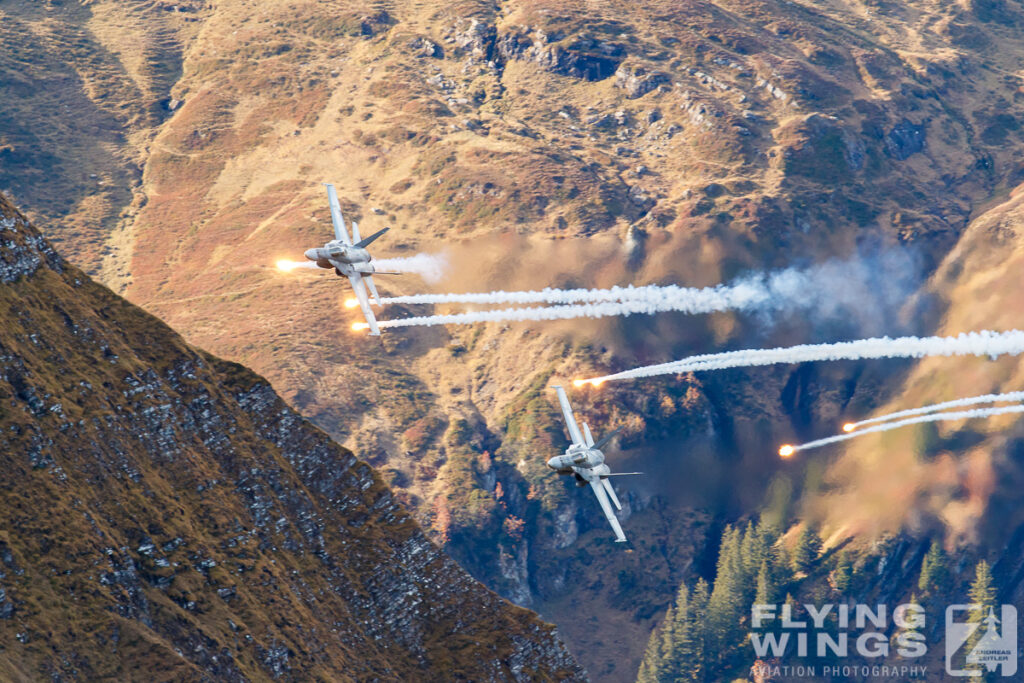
(339, 252)
(586, 463)
(343, 257)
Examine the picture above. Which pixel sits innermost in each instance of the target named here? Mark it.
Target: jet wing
(364, 302)
(570, 421)
(339, 223)
(602, 498)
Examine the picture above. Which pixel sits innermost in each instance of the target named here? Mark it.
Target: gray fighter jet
(350, 259)
(585, 461)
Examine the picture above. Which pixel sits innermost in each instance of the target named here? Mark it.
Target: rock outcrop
(166, 516)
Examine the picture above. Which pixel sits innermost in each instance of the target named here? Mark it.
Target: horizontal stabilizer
(377, 272)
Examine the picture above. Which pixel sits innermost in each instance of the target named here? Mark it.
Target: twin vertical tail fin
(588, 437)
(360, 244)
(607, 438)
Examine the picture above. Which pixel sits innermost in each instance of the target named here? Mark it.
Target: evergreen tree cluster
(704, 630)
(703, 634)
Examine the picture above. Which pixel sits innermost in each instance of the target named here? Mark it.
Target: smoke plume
(936, 407)
(431, 267)
(983, 343)
(934, 417)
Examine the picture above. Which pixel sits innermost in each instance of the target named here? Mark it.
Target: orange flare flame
(786, 451)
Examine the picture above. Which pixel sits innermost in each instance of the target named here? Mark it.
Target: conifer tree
(982, 591)
(933, 570)
(808, 544)
(727, 604)
(673, 631)
(675, 652)
(843, 573)
(753, 549)
(699, 599)
(983, 594)
(650, 665)
(686, 659)
(767, 589)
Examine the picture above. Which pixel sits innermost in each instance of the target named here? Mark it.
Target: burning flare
(1014, 396)
(849, 427)
(286, 265)
(351, 303)
(974, 414)
(359, 327)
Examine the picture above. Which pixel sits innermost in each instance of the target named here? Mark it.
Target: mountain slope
(166, 517)
(541, 142)
(963, 476)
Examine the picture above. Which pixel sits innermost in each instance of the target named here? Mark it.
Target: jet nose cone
(553, 463)
(311, 254)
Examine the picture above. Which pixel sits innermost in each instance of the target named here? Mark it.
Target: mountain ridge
(167, 517)
(538, 141)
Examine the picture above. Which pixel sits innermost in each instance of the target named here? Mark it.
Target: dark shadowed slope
(164, 516)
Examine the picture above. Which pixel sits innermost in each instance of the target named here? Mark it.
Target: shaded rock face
(452, 139)
(827, 149)
(194, 527)
(586, 58)
(904, 140)
(637, 81)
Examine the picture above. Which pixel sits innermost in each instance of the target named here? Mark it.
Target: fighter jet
(585, 461)
(350, 259)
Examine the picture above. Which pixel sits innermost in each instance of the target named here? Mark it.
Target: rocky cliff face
(541, 143)
(167, 517)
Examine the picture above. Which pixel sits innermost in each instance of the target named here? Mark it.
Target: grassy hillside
(540, 143)
(166, 517)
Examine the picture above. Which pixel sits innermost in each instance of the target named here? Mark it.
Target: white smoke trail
(984, 343)
(725, 300)
(936, 407)
(826, 291)
(786, 451)
(431, 267)
(745, 295)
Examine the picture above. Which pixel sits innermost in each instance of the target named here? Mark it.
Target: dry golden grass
(771, 141)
